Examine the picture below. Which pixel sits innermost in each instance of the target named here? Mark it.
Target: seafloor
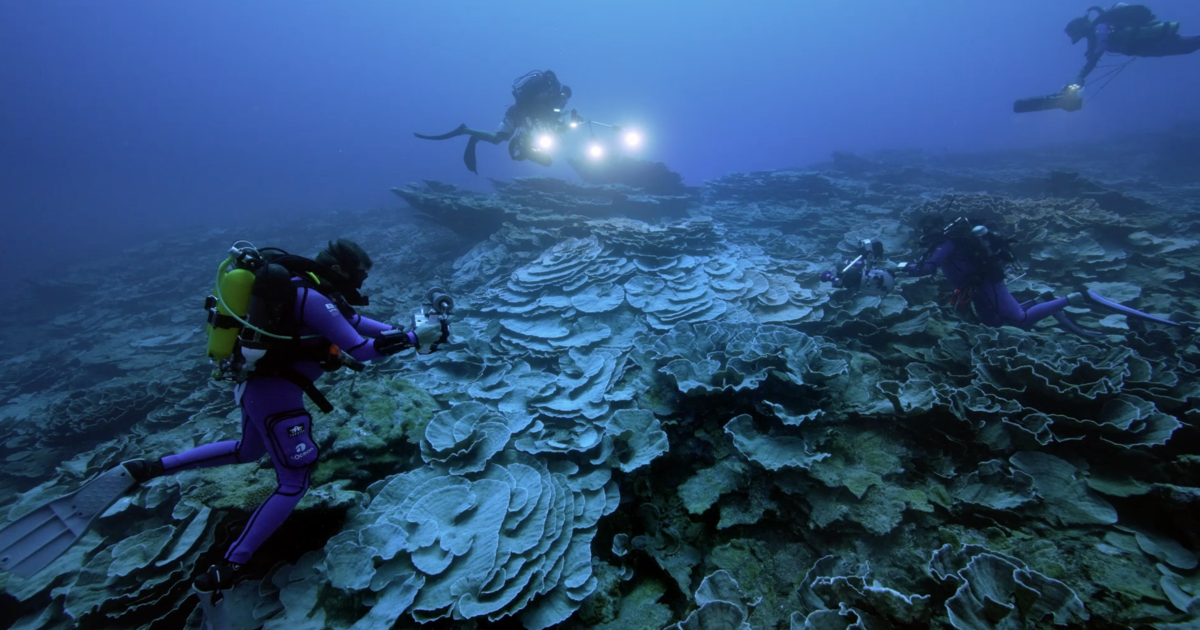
(653, 413)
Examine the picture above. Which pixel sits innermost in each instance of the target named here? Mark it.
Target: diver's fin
(30, 543)
(212, 609)
(469, 154)
(1066, 322)
(1099, 300)
(461, 130)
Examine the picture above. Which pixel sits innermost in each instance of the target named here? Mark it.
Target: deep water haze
(121, 118)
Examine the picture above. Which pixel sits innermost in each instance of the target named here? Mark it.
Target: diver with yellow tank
(276, 322)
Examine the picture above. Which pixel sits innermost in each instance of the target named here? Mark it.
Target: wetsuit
(1160, 39)
(275, 422)
(994, 305)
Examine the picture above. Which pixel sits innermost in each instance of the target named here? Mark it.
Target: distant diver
(1126, 29)
(276, 323)
(540, 103)
(975, 260)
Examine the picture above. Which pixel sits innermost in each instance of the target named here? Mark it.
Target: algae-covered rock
(858, 462)
(632, 605)
(385, 412)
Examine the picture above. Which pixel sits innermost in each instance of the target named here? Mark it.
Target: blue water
(121, 117)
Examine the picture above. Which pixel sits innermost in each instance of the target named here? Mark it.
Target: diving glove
(392, 341)
(426, 336)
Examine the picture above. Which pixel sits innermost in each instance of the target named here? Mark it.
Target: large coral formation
(652, 413)
(652, 178)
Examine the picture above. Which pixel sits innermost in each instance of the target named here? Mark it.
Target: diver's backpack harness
(1123, 15)
(989, 253)
(1133, 22)
(531, 83)
(249, 320)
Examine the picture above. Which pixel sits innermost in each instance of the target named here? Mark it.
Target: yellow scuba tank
(236, 338)
(227, 308)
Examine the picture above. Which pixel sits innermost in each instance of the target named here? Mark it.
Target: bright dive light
(596, 151)
(633, 139)
(574, 124)
(545, 141)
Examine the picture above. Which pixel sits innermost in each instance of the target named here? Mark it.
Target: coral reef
(652, 178)
(652, 414)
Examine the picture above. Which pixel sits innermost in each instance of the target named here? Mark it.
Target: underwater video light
(574, 124)
(633, 139)
(596, 151)
(545, 142)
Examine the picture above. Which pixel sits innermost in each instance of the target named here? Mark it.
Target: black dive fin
(461, 130)
(30, 543)
(469, 154)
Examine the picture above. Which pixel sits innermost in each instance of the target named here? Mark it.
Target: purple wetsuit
(275, 422)
(1111, 40)
(994, 305)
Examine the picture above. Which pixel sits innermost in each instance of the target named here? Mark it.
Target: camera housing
(863, 273)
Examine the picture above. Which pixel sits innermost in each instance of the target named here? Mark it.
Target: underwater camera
(862, 274)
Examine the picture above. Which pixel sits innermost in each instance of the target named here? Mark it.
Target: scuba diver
(540, 100)
(975, 260)
(1126, 29)
(276, 323)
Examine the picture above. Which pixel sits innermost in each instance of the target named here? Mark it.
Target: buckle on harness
(961, 298)
(215, 318)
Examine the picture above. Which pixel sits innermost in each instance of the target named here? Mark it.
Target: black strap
(219, 320)
(306, 385)
(215, 318)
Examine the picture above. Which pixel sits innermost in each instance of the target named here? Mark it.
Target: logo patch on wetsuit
(296, 431)
(332, 309)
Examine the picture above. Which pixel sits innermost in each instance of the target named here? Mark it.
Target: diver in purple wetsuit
(1127, 29)
(313, 304)
(975, 260)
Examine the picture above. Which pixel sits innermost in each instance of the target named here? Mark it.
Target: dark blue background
(120, 117)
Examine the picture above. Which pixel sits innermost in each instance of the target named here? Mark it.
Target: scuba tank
(247, 333)
(230, 301)
(245, 303)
